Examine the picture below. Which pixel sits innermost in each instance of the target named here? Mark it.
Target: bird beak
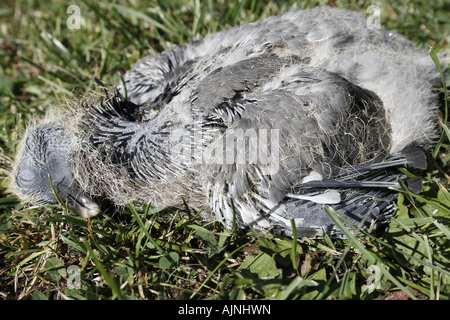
(85, 207)
(77, 201)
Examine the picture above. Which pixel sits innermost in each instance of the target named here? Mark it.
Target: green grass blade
(293, 253)
(109, 281)
(446, 131)
(157, 243)
(295, 284)
(372, 258)
(215, 270)
(144, 229)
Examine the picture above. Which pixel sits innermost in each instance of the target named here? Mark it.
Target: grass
(146, 252)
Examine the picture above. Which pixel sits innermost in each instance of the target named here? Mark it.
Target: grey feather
(260, 124)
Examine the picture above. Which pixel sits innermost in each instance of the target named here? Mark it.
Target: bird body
(261, 124)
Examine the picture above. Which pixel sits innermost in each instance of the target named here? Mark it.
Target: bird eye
(25, 176)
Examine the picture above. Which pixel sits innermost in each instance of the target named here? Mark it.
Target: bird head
(44, 168)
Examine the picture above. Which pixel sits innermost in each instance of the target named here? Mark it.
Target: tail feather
(361, 208)
(364, 206)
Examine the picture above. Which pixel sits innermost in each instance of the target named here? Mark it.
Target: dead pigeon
(260, 126)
